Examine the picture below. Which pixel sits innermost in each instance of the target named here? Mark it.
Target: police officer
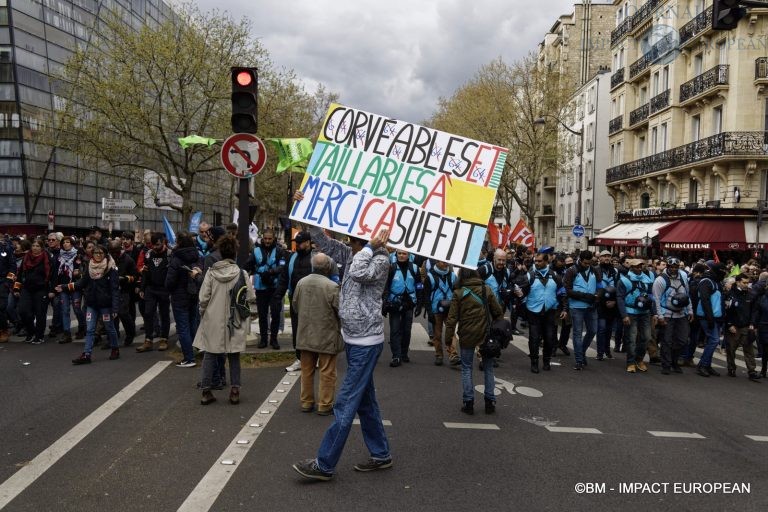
(583, 283)
(674, 313)
(607, 312)
(545, 303)
(635, 307)
(403, 295)
(266, 263)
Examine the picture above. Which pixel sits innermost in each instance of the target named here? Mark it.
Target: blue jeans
(91, 317)
(711, 339)
(605, 327)
(71, 300)
(467, 386)
(636, 337)
(357, 395)
(186, 326)
(583, 319)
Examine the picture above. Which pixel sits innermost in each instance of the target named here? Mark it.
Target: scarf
(67, 262)
(99, 270)
(31, 261)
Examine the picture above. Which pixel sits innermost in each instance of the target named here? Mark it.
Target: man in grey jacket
(362, 326)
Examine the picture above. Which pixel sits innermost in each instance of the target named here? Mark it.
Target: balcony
(662, 47)
(622, 30)
(549, 182)
(706, 83)
(639, 115)
(695, 27)
(618, 78)
(631, 23)
(660, 101)
(616, 124)
(761, 70)
(547, 210)
(738, 144)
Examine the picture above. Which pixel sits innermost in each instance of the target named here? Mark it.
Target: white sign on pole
(118, 217)
(108, 203)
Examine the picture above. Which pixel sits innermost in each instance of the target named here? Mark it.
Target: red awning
(705, 235)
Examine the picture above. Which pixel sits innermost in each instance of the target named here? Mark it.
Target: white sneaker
(296, 366)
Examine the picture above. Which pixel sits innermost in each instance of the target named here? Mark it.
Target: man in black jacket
(127, 275)
(738, 325)
(7, 276)
(155, 295)
(267, 262)
(710, 314)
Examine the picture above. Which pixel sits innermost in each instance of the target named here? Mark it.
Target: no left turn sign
(243, 155)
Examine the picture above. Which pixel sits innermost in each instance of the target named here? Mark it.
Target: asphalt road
(130, 435)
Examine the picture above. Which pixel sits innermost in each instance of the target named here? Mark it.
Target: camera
(443, 306)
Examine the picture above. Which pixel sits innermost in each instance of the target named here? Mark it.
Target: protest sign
(432, 190)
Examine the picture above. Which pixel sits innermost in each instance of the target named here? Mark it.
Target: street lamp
(580, 134)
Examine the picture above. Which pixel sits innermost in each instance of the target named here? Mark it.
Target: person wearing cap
(709, 312)
(607, 312)
(584, 285)
(633, 297)
(696, 334)
(299, 265)
(674, 314)
(266, 262)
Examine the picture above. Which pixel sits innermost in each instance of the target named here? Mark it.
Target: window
(714, 193)
(698, 64)
(664, 79)
(619, 154)
(622, 201)
(643, 98)
(645, 200)
(641, 146)
(693, 191)
(654, 140)
(722, 52)
(717, 120)
(613, 146)
(621, 105)
(561, 215)
(587, 216)
(621, 58)
(588, 174)
(613, 108)
(695, 127)
(570, 219)
(590, 135)
(699, 6)
(655, 82)
(671, 194)
(663, 137)
(662, 191)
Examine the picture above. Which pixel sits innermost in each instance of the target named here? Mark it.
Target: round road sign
(243, 155)
(578, 231)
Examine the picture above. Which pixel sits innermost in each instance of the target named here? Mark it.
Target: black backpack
(238, 303)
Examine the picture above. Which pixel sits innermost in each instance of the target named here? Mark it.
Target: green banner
(293, 154)
(191, 140)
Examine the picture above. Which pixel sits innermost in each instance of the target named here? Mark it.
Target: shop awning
(630, 233)
(705, 235)
(756, 238)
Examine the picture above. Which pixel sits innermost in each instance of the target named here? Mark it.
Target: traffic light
(726, 14)
(244, 100)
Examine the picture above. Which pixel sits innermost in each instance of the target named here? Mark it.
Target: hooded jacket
(177, 280)
(472, 321)
(213, 334)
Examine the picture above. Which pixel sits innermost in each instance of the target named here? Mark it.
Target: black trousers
(33, 308)
(542, 325)
(124, 315)
(157, 300)
(269, 315)
(5, 290)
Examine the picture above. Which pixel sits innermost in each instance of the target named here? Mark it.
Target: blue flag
(169, 234)
(194, 222)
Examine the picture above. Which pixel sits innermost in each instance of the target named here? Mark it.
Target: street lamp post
(580, 134)
(646, 241)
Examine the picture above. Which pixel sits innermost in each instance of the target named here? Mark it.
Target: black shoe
(578, 367)
(702, 371)
(654, 360)
(83, 359)
(373, 465)
(731, 373)
(207, 398)
(534, 367)
(665, 370)
(468, 407)
(262, 344)
(565, 350)
(599, 358)
(546, 366)
(516, 332)
(490, 406)
(275, 345)
(712, 371)
(29, 338)
(405, 359)
(438, 360)
(308, 469)
(66, 339)
(677, 369)
(754, 377)
(395, 362)
(608, 355)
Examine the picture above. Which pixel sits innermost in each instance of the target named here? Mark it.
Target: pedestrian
(101, 288)
(607, 312)
(674, 314)
(710, 311)
(7, 276)
(316, 300)
(214, 334)
(127, 277)
(739, 325)
(362, 327)
(181, 283)
(155, 295)
(634, 297)
(584, 285)
(267, 262)
(34, 288)
(404, 289)
(472, 306)
(69, 263)
(438, 292)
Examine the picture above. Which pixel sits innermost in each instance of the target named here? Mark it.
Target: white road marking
(762, 439)
(476, 426)
(386, 423)
(24, 477)
(681, 435)
(572, 430)
(207, 491)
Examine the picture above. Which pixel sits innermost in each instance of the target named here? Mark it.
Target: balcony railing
(722, 144)
(615, 124)
(623, 29)
(761, 68)
(662, 47)
(632, 22)
(660, 101)
(709, 79)
(618, 77)
(696, 26)
(639, 114)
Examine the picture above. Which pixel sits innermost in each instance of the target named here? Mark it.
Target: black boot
(490, 406)
(262, 343)
(534, 365)
(468, 407)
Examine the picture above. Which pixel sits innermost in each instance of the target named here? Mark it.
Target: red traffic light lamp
(244, 100)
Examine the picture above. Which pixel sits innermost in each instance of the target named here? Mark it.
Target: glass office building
(36, 39)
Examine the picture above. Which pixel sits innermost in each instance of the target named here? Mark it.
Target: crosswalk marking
(386, 423)
(207, 491)
(681, 435)
(573, 430)
(48, 457)
(476, 426)
(762, 439)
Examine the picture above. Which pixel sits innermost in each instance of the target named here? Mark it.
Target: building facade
(577, 48)
(687, 135)
(39, 183)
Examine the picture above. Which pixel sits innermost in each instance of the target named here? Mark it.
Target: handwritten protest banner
(432, 189)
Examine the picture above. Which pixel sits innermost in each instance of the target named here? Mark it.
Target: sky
(398, 57)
